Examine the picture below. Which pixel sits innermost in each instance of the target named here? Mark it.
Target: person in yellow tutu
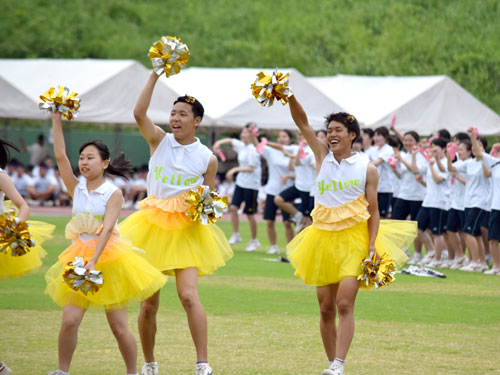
(15, 266)
(346, 229)
(94, 232)
(174, 243)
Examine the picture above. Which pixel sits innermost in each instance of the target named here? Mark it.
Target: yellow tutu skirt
(126, 276)
(323, 257)
(172, 240)
(16, 266)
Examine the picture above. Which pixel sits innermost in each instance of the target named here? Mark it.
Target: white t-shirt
(247, 156)
(476, 184)
(411, 189)
(20, 182)
(176, 168)
(396, 181)
(458, 191)
(36, 171)
(305, 173)
(277, 163)
(42, 184)
(493, 164)
(437, 195)
(384, 169)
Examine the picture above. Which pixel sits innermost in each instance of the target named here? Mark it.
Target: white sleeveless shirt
(93, 203)
(337, 184)
(2, 196)
(176, 168)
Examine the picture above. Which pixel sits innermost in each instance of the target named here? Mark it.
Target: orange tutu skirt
(172, 240)
(126, 276)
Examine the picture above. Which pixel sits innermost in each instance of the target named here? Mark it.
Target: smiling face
(183, 123)
(463, 152)
(338, 137)
(245, 136)
(379, 139)
(409, 142)
(91, 164)
(284, 138)
(437, 151)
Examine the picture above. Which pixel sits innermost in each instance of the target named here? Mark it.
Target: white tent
(227, 98)
(425, 104)
(108, 88)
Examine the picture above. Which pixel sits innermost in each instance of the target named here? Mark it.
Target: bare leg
(327, 308)
(438, 245)
(346, 296)
(118, 322)
(495, 252)
(233, 210)
(454, 242)
(187, 289)
(68, 335)
(417, 245)
(481, 250)
(271, 232)
(473, 247)
(288, 230)
(285, 206)
(427, 240)
(253, 225)
(449, 244)
(147, 325)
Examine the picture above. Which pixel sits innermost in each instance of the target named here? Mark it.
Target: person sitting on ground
(43, 187)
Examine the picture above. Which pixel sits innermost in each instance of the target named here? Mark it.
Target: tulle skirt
(126, 276)
(323, 257)
(173, 241)
(19, 265)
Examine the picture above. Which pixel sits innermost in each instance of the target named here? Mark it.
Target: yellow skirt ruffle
(127, 276)
(16, 266)
(172, 240)
(322, 257)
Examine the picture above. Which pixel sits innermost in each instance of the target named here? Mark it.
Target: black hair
(119, 167)
(484, 141)
(383, 131)
(441, 142)
(4, 152)
(289, 133)
(195, 104)
(445, 134)
(414, 134)
(368, 131)
(41, 137)
(461, 136)
(348, 120)
(321, 131)
(358, 140)
(395, 142)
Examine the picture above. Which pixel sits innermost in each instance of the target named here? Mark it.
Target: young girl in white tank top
(346, 228)
(95, 237)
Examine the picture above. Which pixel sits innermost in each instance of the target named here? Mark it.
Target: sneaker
(4, 370)
(471, 267)
(488, 258)
(273, 250)
(297, 218)
(333, 370)
(150, 368)
(483, 267)
(427, 258)
(235, 238)
(253, 245)
(301, 225)
(415, 259)
(203, 369)
(494, 271)
(458, 263)
(435, 263)
(57, 372)
(447, 263)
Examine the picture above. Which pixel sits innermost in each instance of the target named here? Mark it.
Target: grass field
(263, 320)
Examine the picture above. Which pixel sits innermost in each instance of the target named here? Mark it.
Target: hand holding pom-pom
(267, 87)
(14, 235)
(168, 55)
(63, 100)
(206, 205)
(377, 271)
(78, 278)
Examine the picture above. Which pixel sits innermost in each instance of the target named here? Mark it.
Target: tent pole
(118, 139)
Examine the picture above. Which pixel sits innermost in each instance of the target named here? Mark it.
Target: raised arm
(435, 175)
(220, 142)
(476, 148)
(151, 133)
(7, 186)
(69, 179)
(300, 118)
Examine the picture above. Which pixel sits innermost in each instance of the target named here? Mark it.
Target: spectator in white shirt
(39, 150)
(43, 187)
(380, 158)
(21, 180)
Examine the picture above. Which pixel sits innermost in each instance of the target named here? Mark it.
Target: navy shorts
(384, 202)
(486, 220)
(292, 193)
(494, 227)
(433, 219)
(271, 208)
(473, 219)
(249, 196)
(455, 222)
(403, 208)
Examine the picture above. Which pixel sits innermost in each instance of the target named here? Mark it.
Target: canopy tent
(108, 88)
(425, 104)
(226, 96)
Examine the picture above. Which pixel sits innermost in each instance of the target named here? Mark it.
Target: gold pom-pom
(206, 205)
(168, 55)
(267, 87)
(77, 278)
(377, 272)
(14, 235)
(63, 100)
